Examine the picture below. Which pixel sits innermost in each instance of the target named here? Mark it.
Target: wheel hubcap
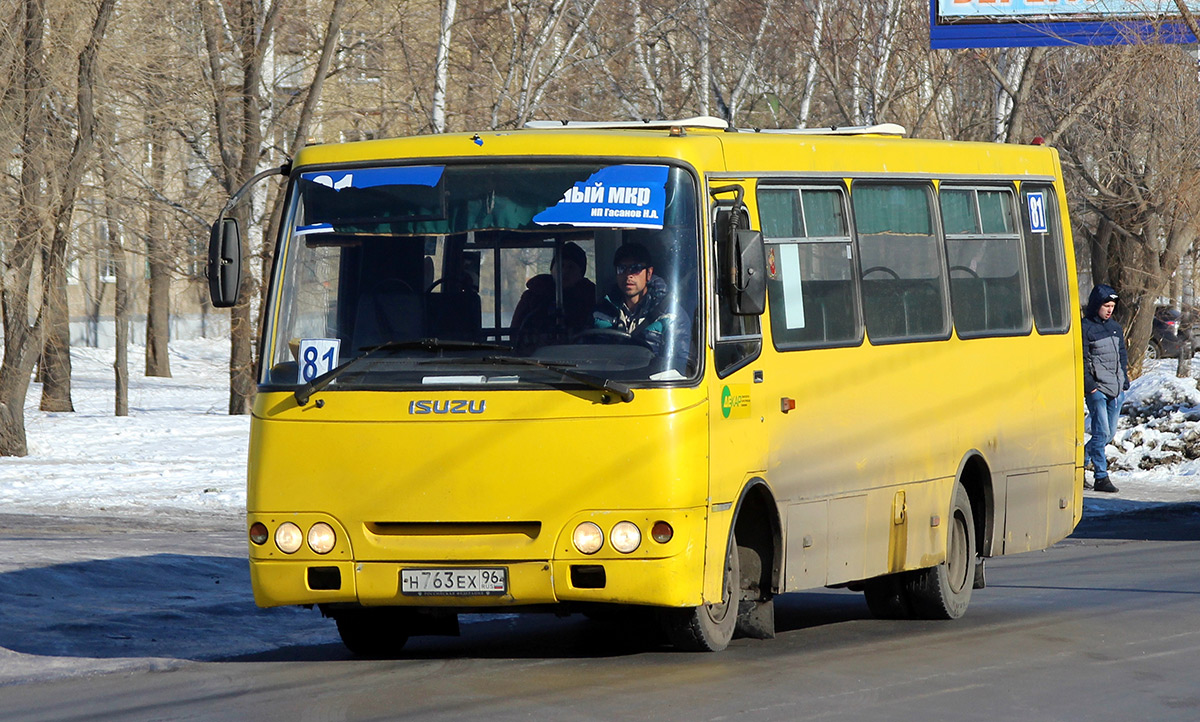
(957, 559)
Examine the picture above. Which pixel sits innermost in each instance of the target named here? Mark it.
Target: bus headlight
(588, 538)
(626, 537)
(288, 538)
(321, 538)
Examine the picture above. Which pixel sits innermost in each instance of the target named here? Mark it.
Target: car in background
(1168, 335)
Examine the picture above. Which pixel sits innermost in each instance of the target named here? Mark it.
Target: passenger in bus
(642, 306)
(537, 320)
(1105, 379)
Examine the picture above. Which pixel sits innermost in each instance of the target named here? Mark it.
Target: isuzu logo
(455, 406)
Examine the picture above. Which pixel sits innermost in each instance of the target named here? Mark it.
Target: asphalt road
(1104, 626)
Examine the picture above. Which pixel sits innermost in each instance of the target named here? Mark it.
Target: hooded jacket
(657, 322)
(1105, 360)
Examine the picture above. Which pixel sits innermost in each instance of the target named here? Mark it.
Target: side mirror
(748, 272)
(224, 262)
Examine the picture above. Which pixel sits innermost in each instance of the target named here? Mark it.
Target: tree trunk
(116, 251)
(1098, 244)
(158, 249)
(442, 65)
(56, 358)
(241, 337)
(55, 365)
(1187, 313)
(23, 342)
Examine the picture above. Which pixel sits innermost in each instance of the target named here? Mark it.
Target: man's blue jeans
(1103, 413)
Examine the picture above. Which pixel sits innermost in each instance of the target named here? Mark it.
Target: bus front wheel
(373, 633)
(709, 627)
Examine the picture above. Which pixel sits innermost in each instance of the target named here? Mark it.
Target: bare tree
(44, 219)
(158, 247)
(1135, 179)
(114, 214)
(241, 37)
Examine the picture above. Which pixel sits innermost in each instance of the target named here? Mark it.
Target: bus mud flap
(756, 619)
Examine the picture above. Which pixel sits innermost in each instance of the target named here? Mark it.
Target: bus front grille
(527, 529)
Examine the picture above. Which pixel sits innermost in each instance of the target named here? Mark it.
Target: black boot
(1104, 484)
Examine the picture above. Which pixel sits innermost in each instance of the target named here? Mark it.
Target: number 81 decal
(317, 356)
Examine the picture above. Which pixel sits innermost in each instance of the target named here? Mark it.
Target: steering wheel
(607, 336)
(966, 270)
(881, 269)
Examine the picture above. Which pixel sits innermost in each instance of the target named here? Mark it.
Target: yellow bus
(668, 367)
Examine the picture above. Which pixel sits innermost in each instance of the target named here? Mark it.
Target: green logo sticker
(735, 401)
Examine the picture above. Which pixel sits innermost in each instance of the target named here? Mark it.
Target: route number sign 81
(1037, 212)
(317, 356)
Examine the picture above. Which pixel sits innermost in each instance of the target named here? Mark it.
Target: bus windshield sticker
(317, 356)
(1037, 212)
(632, 196)
(314, 228)
(421, 175)
(793, 291)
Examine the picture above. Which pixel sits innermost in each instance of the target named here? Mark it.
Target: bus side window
(810, 268)
(1044, 258)
(739, 338)
(983, 250)
(903, 285)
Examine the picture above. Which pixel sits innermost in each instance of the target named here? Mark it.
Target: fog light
(626, 537)
(288, 538)
(258, 533)
(588, 538)
(321, 538)
(661, 532)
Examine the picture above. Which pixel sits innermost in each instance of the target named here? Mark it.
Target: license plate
(454, 582)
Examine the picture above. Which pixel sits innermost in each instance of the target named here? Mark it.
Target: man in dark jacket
(642, 306)
(1105, 378)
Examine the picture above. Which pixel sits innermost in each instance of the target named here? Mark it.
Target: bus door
(737, 384)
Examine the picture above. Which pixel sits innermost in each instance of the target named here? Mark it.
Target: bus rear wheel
(709, 627)
(944, 591)
(373, 633)
(941, 592)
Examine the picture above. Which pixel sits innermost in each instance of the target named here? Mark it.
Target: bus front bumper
(655, 582)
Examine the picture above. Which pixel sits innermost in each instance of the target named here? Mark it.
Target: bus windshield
(491, 274)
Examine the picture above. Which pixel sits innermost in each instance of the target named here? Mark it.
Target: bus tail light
(588, 538)
(288, 538)
(661, 532)
(258, 533)
(625, 537)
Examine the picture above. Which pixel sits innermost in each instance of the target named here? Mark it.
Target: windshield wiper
(305, 391)
(566, 370)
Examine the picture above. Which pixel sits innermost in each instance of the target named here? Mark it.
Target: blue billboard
(1031, 23)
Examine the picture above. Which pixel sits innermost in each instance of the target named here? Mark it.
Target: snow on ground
(1155, 454)
(178, 453)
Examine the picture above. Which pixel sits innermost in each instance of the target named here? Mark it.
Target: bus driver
(642, 306)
